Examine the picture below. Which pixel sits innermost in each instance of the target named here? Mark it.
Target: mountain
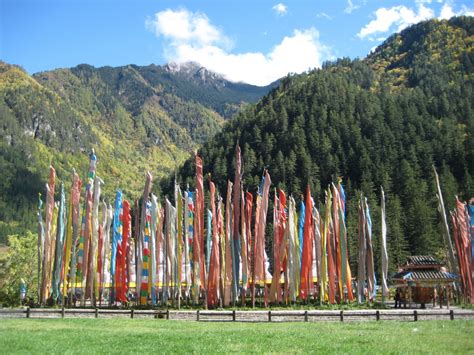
(410, 58)
(136, 118)
(223, 96)
(381, 121)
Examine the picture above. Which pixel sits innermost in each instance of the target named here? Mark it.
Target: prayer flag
(384, 246)
(306, 263)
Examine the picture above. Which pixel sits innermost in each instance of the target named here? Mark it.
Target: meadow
(141, 335)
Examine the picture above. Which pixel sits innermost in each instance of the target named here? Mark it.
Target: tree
(397, 245)
(20, 263)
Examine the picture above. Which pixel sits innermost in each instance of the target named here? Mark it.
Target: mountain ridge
(137, 119)
(380, 121)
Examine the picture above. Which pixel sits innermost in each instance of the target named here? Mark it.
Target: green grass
(151, 335)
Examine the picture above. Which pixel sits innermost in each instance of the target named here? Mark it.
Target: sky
(253, 41)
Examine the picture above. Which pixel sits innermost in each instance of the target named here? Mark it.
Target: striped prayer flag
(306, 263)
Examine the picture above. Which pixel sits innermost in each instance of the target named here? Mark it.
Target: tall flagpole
(446, 236)
(384, 248)
(40, 243)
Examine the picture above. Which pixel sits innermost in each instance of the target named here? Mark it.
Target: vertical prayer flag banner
(189, 228)
(274, 288)
(163, 258)
(67, 248)
(293, 251)
(261, 259)
(301, 219)
(318, 255)
(370, 254)
(361, 271)
(470, 210)
(76, 224)
(306, 263)
(248, 226)
(72, 234)
(86, 224)
(170, 251)
(92, 273)
(153, 249)
(384, 246)
(59, 245)
(142, 224)
(243, 246)
(337, 241)
(146, 255)
(40, 242)
(208, 241)
(108, 229)
(116, 240)
(160, 248)
(329, 231)
(198, 245)
(235, 221)
(52, 251)
(221, 234)
(49, 209)
(100, 253)
(194, 248)
(228, 246)
(282, 242)
(121, 258)
(258, 204)
(461, 225)
(179, 240)
(346, 269)
(214, 267)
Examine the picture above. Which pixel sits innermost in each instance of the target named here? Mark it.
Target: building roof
(425, 275)
(420, 260)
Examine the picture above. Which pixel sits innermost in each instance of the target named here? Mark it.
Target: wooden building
(422, 279)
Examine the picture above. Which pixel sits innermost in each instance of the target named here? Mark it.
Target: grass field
(145, 335)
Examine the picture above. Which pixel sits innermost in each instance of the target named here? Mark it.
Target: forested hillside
(136, 118)
(381, 121)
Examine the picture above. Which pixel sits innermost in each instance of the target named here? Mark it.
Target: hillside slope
(381, 121)
(136, 118)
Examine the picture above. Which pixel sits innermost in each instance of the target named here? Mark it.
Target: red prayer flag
(121, 273)
(307, 255)
(198, 240)
(214, 268)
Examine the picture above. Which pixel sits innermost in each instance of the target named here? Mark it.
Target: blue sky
(255, 41)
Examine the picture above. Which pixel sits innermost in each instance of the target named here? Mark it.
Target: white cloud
(399, 16)
(447, 11)
(280, 9)
(350, 7)
(191, 37)
(324, 15)
(183, 26)
(465, 11)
